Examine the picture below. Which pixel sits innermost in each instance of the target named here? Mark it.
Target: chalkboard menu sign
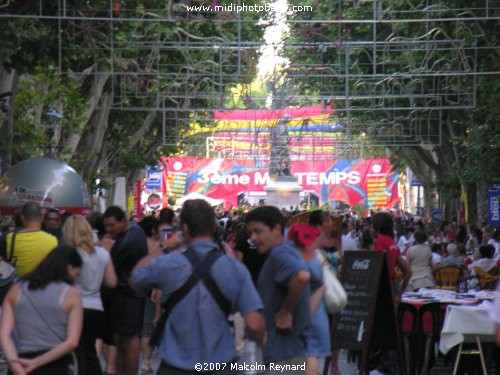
(369, 319)
(360, 278)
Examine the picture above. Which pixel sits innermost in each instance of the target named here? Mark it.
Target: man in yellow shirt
(31, 244)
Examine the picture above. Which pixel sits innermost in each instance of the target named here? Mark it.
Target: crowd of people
(199, 288)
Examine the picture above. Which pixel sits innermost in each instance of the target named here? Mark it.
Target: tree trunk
(132, 177)
(429, 201)
(95, 138)
(38, 110)
(482, 200)
(145, 127)
(57, 126)
(8, 85)
(94, 97)
(135, 173)
(471, 191)
(450, 208)
(454, 150)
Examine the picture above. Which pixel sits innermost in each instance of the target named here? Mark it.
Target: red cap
(303, 235)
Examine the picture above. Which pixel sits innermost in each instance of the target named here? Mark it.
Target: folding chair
(449, 277)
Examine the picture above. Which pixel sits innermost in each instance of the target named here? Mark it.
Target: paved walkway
(345, 368)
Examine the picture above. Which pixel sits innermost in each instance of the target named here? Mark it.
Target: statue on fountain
(280, 159)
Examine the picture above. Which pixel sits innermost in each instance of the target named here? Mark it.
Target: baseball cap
(303, 235)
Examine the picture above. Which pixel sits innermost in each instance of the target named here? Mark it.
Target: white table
(463, 321)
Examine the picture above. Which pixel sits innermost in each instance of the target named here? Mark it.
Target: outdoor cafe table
(466, 314)
(466, 322)
(443, 297)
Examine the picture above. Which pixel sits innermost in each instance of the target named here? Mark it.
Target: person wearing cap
(453, 258)
(309, 240)
(284, 286)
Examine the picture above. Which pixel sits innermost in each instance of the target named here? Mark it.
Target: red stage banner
(137, 198)
(370, 182)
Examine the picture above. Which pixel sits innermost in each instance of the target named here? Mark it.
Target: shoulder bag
(335, 295)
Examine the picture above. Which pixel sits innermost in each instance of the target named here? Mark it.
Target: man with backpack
(202, 287)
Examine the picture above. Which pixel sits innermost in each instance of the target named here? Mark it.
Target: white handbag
(335, 295)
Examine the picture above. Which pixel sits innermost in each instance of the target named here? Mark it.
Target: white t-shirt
(485, 263)
(349, 243)
(496, 245)
(91, 277)
(402, 243)
(436, 259)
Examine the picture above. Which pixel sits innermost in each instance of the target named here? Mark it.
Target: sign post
(368, 322)
(154, 179)
(494, 206)
(437, 215)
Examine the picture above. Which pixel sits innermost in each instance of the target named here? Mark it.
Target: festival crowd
(203, 291)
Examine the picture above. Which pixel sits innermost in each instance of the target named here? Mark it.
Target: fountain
(283, 191)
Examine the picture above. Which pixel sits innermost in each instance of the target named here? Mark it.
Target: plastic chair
(409, 337)
(449, 277)
(487, 280)
(432, 313)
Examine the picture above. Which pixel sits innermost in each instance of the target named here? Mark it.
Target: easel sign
(368, 322)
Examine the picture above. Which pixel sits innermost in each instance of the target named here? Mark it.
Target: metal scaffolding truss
(420, 128)
(384, 11)
(390, 81)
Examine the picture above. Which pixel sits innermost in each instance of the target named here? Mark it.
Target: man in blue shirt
(197, 330)
(284, 287)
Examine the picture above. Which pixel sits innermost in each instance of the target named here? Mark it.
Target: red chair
(431, 318)
(408, 325)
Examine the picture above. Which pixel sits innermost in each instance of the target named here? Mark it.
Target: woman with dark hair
(383, 225)
(323, 221)
(332, 252)
(96, 221)
(475, 240)
(366, 239)
(495, 242)
(246, 251)
(45, 310)
(487, 263)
